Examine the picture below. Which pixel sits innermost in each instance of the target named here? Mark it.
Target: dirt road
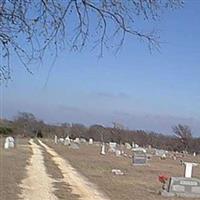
(78, 183)
(39, 186)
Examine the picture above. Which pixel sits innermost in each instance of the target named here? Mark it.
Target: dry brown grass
(12, 168)
(140, 182)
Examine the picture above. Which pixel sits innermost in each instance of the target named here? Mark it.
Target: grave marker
(112, 147)
(103, 148)
(139, 157)
(67, 141)
(56, 139)
(90, 141)
(184, 186)
(9, 142)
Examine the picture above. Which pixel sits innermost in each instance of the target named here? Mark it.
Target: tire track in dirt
(38, 185)
(77, 182)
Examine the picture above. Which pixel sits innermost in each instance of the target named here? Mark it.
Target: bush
(5, 130)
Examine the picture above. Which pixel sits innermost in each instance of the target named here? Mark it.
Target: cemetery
(119, 171)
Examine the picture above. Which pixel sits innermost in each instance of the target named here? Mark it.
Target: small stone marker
(90, 141)
(118, 153)
(117, 172)
(103, 149)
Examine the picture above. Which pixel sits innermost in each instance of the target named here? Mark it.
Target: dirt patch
(12, 166)
(140, 183)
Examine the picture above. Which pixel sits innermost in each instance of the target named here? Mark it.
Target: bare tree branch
(29, 28)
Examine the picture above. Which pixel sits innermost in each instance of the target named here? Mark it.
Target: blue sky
(142, 90)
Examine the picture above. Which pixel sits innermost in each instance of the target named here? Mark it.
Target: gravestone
(67, 141)
(183, 187)
(56, 139)
(9, 142)
(118, 153)
(61, 140)
(133, 144)
(83, 140)
(74, 146)
(90, 141)
(103, 149)
(77, 140)
(136, 146)
(139, 157)
(128, 146)
(188, 169)
(112, 147)
(161, 152)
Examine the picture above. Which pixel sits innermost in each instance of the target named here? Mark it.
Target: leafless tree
(29, 28)
(183, 132)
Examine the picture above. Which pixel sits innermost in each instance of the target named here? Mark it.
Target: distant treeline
(26, 125)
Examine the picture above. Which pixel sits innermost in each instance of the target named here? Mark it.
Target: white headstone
(61, 140)
(9, 142)
(103, 149)
(67, 141)
(6, 145)
(136, 145)
(56, 139)
(127, 145)
(188, 169)
(112, 146)
(118, 153)
(77, 140)
(90, 141)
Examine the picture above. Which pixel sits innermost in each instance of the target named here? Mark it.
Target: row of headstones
(74, 144)
(139, 156)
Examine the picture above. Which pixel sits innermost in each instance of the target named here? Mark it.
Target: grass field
(12, 169)
(139, 182)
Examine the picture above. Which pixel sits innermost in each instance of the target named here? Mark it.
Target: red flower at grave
(163, 179)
